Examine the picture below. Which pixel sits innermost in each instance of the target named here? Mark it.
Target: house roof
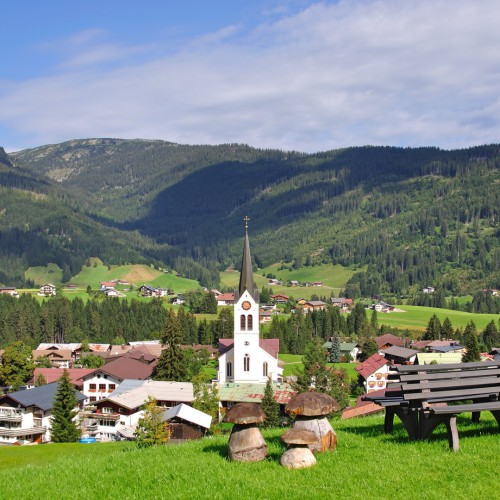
(153, 349)
(56, 355)
(181, 392)
(42, 397)
(271, 346)
(371, 365)
(125, 367)
(189, 414)
(425, 358)
(99, 347)
(400, 352)
(441, 343)
(71, 347)
(420, 344)
(253, 393)
(53, 374)
(225, 297)
(447, 348)
(316, 303)
(348, 346)
(388, 338)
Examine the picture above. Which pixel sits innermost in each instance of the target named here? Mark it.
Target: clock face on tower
(246, 305)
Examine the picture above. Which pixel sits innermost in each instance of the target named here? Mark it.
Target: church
(247, 358)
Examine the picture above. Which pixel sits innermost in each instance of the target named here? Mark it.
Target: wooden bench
(420, 395)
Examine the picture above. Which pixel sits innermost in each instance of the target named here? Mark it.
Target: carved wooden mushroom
(310, 409)
(298, 455)
(246, 443)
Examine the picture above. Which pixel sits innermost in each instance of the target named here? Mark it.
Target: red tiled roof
(271, 346)
(371, 365)
(54, 374)
(128, 368)
(225, 297)
(388, 338)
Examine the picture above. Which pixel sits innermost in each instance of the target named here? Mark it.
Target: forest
(402, 218)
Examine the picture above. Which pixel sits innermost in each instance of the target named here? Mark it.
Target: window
(107, 409)
(229, 369)
(112, 387)
(92, 387)
(246, 363)
(92, 399)
(250, 322)
(243, 322)
(264, 369)
(108, 423)
(102, 387)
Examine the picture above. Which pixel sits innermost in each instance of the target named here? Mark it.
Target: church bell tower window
(243, 324)
(250, 322)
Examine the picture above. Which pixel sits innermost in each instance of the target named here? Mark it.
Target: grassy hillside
(366, 465)
(417, 318)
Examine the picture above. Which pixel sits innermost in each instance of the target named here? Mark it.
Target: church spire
(246, 276)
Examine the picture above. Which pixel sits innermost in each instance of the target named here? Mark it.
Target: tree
(471, 353)
(206, 397)
(64, 428)
(335, 350)
(490, 335)
(151, 430)
(171, 365)
(40, 380)
(17, 366)
(118, 340)
(446, 329)
(92, 361)
(433, 329)
(368, 348)
(270, 406)
(43, 362)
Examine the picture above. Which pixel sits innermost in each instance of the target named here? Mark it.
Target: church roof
(246, 276)
(271, 346)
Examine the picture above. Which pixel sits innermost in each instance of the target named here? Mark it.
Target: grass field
(293, 364)
(366, 465)
(333, 277)
(417, 318)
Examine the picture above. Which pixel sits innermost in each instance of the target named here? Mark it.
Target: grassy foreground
(366, 465)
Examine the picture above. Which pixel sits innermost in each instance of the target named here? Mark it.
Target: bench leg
(410, 422)
(389, 420)
(476, 416)
(428, 422)
(451, 427)
(496, 414)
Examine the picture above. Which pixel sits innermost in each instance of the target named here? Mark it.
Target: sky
(299, 75)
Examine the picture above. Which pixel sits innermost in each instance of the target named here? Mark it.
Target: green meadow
(367, 464)
(292, 365)
(417, 318)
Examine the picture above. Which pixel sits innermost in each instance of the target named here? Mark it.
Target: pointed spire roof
(246, 276)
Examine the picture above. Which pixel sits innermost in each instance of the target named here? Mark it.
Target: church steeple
(246, 276)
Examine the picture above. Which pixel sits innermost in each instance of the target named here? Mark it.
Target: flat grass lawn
(417, 317)
(366, 465)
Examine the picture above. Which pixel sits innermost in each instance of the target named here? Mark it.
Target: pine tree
(151, 430)
(471, 353)
(40, 380)
(433, 329)
(270, 406)
(446, 329)
(335, 350)
(490, 335)
(171, 365)
(63, 428)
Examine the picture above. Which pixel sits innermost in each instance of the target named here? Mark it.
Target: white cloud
(386, 72)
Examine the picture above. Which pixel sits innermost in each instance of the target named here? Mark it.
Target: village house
(74, 347)
(186, 422)
(427, 358)
(47, 290)
(313, 305)
(9, 290)
(118, 414)
(54, 374)
(25, 415)
(280, 298)
(59, 358)
(313, 283)
(429, 289)
(375, 372)
(388, 340)
(293, 283)
(107, 285)
(400, 355)
(341, 302)
(225, 299)
(274, 282)
(151, 291)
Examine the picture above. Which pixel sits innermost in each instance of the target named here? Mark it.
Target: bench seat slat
(456, 383)
(447, 375)
(446, 367)
(456, 409)
(469, 393)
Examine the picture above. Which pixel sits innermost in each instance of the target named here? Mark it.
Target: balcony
(23, 432)
(11, 415)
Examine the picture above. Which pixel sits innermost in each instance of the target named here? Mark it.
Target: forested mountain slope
(413, 216)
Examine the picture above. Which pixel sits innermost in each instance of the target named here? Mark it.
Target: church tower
(247, 358)
(247, 364)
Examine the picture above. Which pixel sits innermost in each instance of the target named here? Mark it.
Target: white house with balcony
(25, 415)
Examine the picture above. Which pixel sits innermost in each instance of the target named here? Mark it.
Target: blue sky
(295, 75)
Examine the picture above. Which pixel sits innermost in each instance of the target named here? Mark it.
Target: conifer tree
(270, 406)
(446, 329)
(171, 365)
(63, 428)
(471, 353)
(40, 380)
(433, 329)
(490, 335)
(335, 350)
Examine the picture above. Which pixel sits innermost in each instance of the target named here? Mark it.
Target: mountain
(405, 217)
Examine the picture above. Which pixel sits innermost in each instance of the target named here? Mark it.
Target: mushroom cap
(299, 436)
(245, 413)
(311, 404)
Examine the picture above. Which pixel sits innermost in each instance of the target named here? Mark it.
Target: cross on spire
(246, 219)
